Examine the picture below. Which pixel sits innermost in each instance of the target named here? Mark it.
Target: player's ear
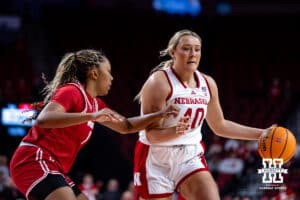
(93, 73)
(172, 54)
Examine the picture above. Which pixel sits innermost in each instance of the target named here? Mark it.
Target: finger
(182, 128)
(115, 118)
(103, 118)
(173, 107)
(173, 113)
(180, 131)
(274, 125)
(186, 119)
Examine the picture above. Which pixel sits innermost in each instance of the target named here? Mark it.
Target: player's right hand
(105, 115)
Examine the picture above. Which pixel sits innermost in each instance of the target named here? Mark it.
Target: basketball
(279, 142)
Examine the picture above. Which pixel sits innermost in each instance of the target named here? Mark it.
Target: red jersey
(63, 144)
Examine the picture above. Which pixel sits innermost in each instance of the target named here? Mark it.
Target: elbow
(127, 128)
(152, 139)
(124, 131)
(218, 127)
(41, 123)
(217, 131)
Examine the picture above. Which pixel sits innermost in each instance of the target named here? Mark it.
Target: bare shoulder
(210, 80)
(155, 92)
(157, 78)
(157, 83)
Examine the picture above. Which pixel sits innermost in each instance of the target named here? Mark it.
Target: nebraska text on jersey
(185, 100)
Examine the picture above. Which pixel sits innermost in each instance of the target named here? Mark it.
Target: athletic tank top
(191, 102)
(64, 143)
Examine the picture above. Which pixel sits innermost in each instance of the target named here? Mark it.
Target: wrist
(160, 114)
(89, 117)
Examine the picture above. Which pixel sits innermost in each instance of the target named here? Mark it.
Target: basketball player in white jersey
(165, 161)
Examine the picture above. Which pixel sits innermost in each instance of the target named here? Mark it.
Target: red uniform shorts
(30, 165)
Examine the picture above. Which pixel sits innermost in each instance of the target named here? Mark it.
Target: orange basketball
(279, 142)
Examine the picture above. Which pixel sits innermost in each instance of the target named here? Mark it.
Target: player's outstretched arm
(137, 123)
(54, 116)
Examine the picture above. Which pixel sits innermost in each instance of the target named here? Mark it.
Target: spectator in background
(8, 191)
(231, 145)
(112, 190)
(131, 187)
(127, 195)
(229, 169)
(4, 170)
(216, 146)
(285, 193)
(88, 187)
(231, 165)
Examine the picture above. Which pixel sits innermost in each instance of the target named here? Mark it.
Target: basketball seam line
(272, 142)
(287, 135)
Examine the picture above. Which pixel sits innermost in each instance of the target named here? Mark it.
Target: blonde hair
(173, 42)
(73, 68)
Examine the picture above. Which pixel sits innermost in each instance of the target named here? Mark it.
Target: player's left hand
(267, 130)
(183, 125)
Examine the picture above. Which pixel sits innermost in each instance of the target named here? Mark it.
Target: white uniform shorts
(159, 170)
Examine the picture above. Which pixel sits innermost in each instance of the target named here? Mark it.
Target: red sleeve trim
(207, 84)
(169, 81)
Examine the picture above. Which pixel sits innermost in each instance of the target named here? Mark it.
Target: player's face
(105, 78)
(187, 53)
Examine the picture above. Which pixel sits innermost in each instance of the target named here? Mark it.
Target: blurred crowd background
(251, 48)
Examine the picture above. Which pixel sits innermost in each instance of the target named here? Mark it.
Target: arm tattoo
(128, 124)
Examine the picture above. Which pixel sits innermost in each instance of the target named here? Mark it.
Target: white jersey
(191, 102)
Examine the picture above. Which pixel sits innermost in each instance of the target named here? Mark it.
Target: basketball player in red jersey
(40, 164)
(164, 161)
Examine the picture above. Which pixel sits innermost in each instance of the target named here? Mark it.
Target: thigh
(200, 185)
(65, 193)
(166, 198)
(82, 197)
(50, 184)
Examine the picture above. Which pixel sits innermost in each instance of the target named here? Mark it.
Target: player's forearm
(234, 130)
(61, 120)
(134, 124)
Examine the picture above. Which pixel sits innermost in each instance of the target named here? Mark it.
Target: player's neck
(185, 76)
(90, 89)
